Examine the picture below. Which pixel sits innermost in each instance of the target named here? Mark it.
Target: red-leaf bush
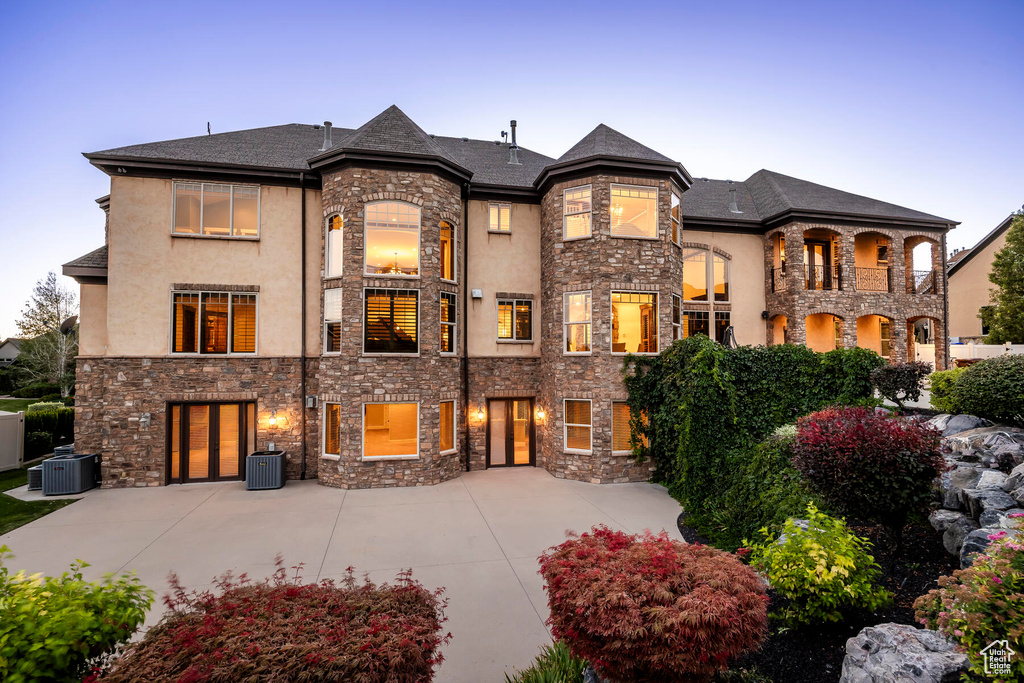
(282, 630)
(869, 464)
(648, 609)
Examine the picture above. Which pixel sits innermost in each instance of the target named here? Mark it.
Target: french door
(510, 432)
(209, 441)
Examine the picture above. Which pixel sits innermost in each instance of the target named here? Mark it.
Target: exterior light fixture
(540, 413)
(480, 413)
(273, 419)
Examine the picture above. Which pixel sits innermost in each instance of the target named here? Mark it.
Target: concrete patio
(478, 536)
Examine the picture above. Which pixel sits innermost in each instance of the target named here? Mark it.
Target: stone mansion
(391, 308)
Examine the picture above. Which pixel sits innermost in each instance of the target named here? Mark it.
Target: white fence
(972, 350)
(925, 353)
(12, 440)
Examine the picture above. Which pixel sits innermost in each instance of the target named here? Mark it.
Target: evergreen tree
(1006, 315)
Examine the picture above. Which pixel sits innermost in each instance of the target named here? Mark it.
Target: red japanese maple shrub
(282, 630)
(869, 464)
(648, 609)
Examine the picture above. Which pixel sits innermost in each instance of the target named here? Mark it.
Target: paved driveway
(479, 536)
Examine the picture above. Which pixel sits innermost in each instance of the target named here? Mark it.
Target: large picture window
(577, 321)
(391, 321)
(515, 320)
(576, 209)
(699, 270)
(447, 426)
(634, 211)
(448, 260)
(634, 322)
(449, 332)
(332, 321)
(392, 245)
(216, 210)
(333, 247)
(578, 425)
(213, 322)
(391, 430)
(499, 217)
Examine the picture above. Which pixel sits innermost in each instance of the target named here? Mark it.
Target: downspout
(465, 318)
(945, 302)
(302, 359)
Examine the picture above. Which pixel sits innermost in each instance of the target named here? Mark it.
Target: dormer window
(216, 210)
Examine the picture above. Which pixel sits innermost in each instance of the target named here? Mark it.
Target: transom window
(699, 270)
(515, 319)
(449, 333)
(391, 430)
(675, 220)
(447, 251)
(216, 210)
(576, 213)
(333, 247)
(634, 322)
(622, 428)
(213, 322)
(634, 211)
(332, 320)
(500, 217)
(577, 321)
(447, 426)
(392, 245)
(578, 425)
(391, 321)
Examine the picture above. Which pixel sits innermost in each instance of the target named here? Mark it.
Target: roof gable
(608, 142)
(392, 131)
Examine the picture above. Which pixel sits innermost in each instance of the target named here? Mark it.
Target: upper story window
(699, 270)
(677, 319)
(576, 213)
(392, 239)
(333, 247)
(391, 323)
(634, 322)
(577, 321)
(515, 320)
(447, 251)
(213, 322)
(500, 217)
(449, 333)
(216, 210)
(332, 320)
(634, 211)
(675, 218)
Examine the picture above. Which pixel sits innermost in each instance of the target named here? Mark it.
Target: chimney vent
(513, 149)
(733, 206)
(327, 137)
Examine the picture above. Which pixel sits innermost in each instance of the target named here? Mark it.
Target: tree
(1006, 317)
(49, 354)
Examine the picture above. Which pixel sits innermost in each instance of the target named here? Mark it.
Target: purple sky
(918, 104)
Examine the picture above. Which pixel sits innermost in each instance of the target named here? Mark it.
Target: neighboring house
(392, 307)
(9, 350)
(969, 286)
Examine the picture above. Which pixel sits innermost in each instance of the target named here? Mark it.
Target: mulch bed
(814, 654)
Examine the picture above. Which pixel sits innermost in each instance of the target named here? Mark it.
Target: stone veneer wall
(600, 264)
(351, 379)
(501, 377)
(112, 395)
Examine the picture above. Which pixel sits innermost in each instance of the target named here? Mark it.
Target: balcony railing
(874, 279)
(924, 282)
(828, 278)
(778, 279)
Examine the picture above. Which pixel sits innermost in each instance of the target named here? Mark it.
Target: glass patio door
(510, 432)
(209, 441)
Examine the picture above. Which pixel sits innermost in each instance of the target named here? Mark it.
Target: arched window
(392, 239)
(701, 273)
(333, 247)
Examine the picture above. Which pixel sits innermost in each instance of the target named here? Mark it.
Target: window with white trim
(677, 319)
(576, 209)
(332, 320)
(448, 252)
(213, 322)
(696, 322)
(577, 434)
(216, 210)
(577, 322)
(332, 429)
(622, 429)
(675, 218)
(499, 217)
(701, 267)
(392, 239)
(391, 430)
(333, 246)
(449, 331)
(391, 321)
(634, 322)
(634, 211)
(447, 427)
(515, 320)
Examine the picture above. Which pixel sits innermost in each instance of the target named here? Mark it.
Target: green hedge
(942, 390)
(993, 389)
(60, 423)
(706, 403)
(36, 390)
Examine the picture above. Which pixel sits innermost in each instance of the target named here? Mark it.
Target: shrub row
(992, 388)
(36, 390)
(59, 422)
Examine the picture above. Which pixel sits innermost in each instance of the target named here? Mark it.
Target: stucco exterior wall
(502, 263)
(92, 315)
(969, 290)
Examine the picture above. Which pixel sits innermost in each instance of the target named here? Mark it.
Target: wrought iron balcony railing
(924, 282)
(829, 278)
(778, 279)
(874, 279)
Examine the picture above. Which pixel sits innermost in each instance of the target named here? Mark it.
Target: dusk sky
(920, 104)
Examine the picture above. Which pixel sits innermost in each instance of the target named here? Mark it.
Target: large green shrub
(821, 570)
(36, 390)
(900, 382)
(554, 664)
(942, 396)
(55, 628)
(43, 407)
(59, 422)
(38, 444)
(993, 389)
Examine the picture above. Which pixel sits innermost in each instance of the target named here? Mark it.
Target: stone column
(900, 337)
(898, 264)
(849, 331)
(846, 260)
(795, 261)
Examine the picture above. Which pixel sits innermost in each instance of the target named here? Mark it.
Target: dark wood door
(511, 432)
(209, 441)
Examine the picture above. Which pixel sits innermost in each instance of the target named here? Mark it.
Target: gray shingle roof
(605, 141)
(392, 131)
(489, 161)
(710, 199)
(96, 258)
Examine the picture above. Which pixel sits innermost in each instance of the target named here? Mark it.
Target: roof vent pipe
(513, 149)
(327, 137)
(733, 206)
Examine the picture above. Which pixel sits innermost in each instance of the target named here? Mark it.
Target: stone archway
(824, 332)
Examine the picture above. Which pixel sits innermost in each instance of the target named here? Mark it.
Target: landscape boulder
(943, 519)
(977, 541)
(978, 500)
(897, 652)
(1015, 480)
(1000, 518)
(953, 483)
(962, 423)
(956, 532)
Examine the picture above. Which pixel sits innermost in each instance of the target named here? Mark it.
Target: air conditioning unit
(69, 474)
(264, 470)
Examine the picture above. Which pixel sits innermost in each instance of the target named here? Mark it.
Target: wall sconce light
(480, 413)
(273, 419)
(540, 414)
